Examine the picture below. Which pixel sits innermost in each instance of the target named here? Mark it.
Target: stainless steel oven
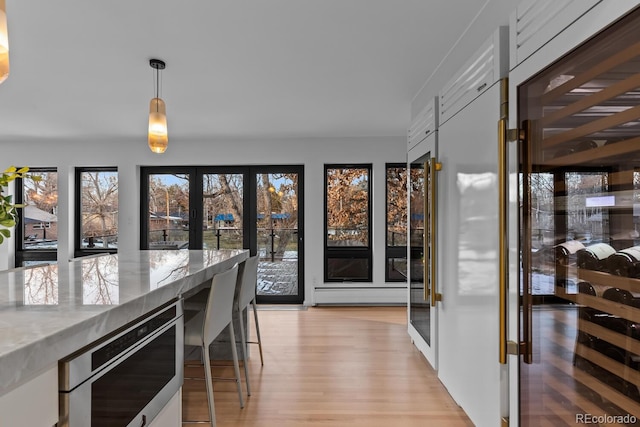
(125, 379)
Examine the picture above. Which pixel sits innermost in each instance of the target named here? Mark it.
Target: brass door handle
(503, 262)
(434, 167)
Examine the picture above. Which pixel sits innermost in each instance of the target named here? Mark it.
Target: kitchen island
(49, 312)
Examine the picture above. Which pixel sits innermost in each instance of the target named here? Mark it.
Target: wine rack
(607, 346)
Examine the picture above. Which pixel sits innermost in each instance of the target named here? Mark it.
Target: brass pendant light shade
(4, 43)
(158, 135)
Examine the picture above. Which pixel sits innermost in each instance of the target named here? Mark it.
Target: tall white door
(468, 253)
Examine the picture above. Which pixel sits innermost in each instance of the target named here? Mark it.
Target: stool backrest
(219, 309)
(247, 280)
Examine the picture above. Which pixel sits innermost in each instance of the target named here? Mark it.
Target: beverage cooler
(423, 166)
(575, 315)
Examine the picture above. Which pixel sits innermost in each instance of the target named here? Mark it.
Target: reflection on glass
(397, 269)
(478, 212)
(419, 310)
(222, 196)
(167, 266)
(40, 215)
(41, 286)
(396, 223)
(168, 211)
(100, 283)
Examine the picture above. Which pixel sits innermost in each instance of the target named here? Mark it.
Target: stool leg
(236, 368)
(209, 381)
(243, 342)
(255, 317)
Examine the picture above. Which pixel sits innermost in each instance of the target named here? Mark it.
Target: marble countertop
(51, 311)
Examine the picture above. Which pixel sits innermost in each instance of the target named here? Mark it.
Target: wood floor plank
(330, 366)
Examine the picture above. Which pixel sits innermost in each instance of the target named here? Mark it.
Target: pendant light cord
(157, 65)
(156, 88)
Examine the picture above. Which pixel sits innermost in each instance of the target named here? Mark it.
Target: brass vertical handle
(425, 240)
(503, 261)
(434, 167)
(526, 344)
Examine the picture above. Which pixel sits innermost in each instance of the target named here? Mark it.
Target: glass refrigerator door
(419, 309)
(580, 247)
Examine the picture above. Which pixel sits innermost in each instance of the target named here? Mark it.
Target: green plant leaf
(5, 232)
(1, 239)
(7, 222)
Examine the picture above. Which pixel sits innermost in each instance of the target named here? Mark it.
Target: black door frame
(253, 215)
(250, 237)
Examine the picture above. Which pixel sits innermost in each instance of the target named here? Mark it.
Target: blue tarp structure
(224, 217)
(276, 216)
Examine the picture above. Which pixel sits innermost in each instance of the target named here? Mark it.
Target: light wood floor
(330, 366)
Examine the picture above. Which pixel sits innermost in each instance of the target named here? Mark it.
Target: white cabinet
(485, 67)
(171, 415)
(33, 404)
(468, 208)
(424, 125)
(535, 22)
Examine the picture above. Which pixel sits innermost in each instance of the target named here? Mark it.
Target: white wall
(312, 153)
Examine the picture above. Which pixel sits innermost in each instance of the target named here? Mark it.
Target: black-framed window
(96, 210)
(347, 223)
(169, 207)
(396, 223)
(37, 233)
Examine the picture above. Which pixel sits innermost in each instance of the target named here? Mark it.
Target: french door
(255, 207)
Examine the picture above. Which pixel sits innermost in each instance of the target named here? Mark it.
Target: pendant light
(4, 43)
(158, 136)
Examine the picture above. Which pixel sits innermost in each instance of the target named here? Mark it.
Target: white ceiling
(235, 68)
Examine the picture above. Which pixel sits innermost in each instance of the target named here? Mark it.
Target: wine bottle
(575, 148)
(621, 296)
(625, 262)
(594, 257)
(565, 250)
(585, 145)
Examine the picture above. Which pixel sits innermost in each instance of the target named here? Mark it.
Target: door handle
(503, 261)
(434, 167)
(526, 344)
(504, 136)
